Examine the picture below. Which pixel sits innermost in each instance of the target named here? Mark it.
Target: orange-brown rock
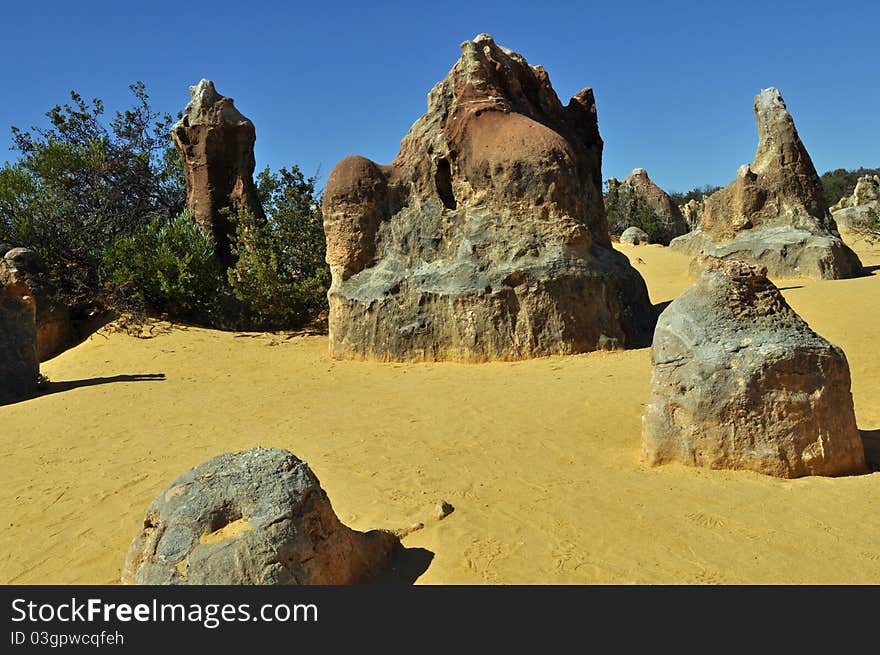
(55, 328)
(486, 237)
(217, 145)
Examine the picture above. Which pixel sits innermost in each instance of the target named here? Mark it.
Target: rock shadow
(48, 388)
(871, 443)
(406, 566)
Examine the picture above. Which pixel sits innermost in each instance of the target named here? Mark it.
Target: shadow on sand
(406, 566)
(48, 388)
(871, 442)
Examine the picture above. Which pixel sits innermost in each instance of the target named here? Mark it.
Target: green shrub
(168, 266)
(280, 276)
(82, 182)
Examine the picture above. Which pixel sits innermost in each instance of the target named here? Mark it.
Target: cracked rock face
(19, 366)
(256, 517)
(217, 145)
(486, 237)
(691, 211)
(740, 381)
(774, 213)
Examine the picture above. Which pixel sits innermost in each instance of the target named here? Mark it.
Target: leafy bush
(79, 185)
(168, 266)
(697, 193)
(280, 276)
(102, 203)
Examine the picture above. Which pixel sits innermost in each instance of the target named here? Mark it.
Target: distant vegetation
(841, 182)
(697, 193)
(103, 204)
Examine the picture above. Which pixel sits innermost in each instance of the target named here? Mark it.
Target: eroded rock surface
(740, 381)
(256, 517)
(19, 367)
(55, 329)
(774, 213)
(634, 236)
(863, 206)
(486, 237)
(217, 145)
(691, 211)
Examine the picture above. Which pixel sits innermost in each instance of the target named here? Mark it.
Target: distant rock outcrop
(691, 211)
(217, 145)
(774, 213)
(19, 367)
(637, 201)
(867, 191)
(740, 381)
(257, 517)
(862, 206)
(486, 237)
(55, 330)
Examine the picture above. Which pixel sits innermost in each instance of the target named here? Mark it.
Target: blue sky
(674, 81)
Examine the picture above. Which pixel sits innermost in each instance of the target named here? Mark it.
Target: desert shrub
(168, 266)
(697, 193)
(82, 183)
(102, 203)
(869, 229)
(280, 276)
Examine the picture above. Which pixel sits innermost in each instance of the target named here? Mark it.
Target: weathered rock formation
(867, 191)
(774, 213)
(55, 330)
(740, 381)
(217, 145)
(862, 206)
(691, 211)
(486, 237)
(19, 367)
(634, 236)
(638, 202)
(256, 517)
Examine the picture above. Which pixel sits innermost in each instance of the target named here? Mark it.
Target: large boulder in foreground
(486, 237)
(740, 381)
(19, 366)
(217, 145)
(638, 201)
(55, 330)
(774, 213)
(256, 517)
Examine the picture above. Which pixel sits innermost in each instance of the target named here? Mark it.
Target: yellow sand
(540, 458)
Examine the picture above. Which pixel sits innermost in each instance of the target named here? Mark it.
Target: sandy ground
(540, 458)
